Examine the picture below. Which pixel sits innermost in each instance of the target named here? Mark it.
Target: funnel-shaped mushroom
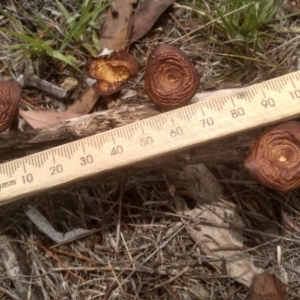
(112, 71)
(274, 157)
(10, 94)
(170, 78)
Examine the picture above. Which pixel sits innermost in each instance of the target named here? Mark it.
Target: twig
(30, 79)
(171, 279)
(179, 25)
(55, 257)
(290, 222)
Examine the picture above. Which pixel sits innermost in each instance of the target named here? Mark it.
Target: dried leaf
(17, 265)
(44, 225)
(199, 290)
(116, 30)
(38, 119)
(265, 286)
(145, 17)
(221, 239)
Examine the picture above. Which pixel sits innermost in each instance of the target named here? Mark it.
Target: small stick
(30, 79)
(153, 42)
(290, 222)
(43, 85)
(56, 258)
(179, 25)
(42, 34)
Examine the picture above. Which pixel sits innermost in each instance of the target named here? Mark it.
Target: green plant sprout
(241, 30)
(74, 32)
(240, 20)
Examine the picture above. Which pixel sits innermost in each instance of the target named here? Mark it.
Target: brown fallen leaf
(220, 232)
(145, 17)
(114, 36)
(38, 119)
(115, 31)
(265, 286)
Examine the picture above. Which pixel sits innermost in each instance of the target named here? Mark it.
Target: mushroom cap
(274, 157)
(10, 94)
(112, 71)
(170, 78)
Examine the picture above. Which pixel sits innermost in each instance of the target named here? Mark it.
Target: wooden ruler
(211, 119)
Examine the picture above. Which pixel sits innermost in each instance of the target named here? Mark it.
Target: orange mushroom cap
(112, 71)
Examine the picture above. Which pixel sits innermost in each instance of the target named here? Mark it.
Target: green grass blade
(79, 27)
(89, 49)
(96, 40)
(68, 59)
(66, 14)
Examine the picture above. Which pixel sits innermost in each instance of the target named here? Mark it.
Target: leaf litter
(175, 241)
(222, 238)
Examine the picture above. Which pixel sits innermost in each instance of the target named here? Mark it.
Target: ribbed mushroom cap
(112, 71)
(10, 94)
(274, 157)
(170, 78)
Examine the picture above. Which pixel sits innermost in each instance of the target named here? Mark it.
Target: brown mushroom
(10, 94)
(274, 157)
(266, 286)
(112, 71)
(170, 78)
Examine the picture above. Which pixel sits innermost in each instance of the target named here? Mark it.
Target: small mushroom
(266, 286)
(274, 157)
(170, 78)
(10, 94)
(112, 71)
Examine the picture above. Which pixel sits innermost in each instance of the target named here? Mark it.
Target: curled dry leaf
(274, 157)
(170, 78)
(39, 119)
(217, 227)
(116, 28)
(10, 94)
(145, 17)
(45, 226)
(265, 286)
(112, 71)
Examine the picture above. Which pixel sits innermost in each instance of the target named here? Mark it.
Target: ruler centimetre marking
(211, 119)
